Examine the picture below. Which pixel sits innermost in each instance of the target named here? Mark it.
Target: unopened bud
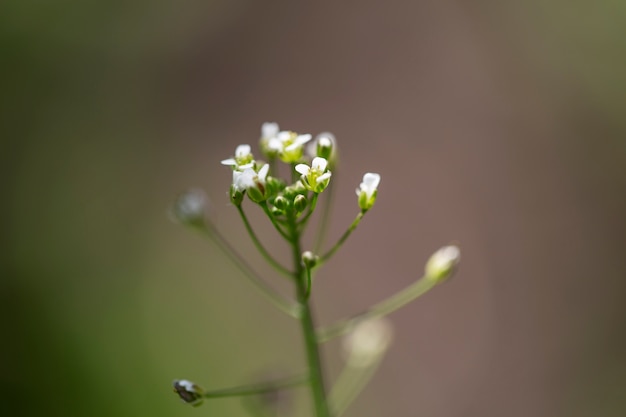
(236, 195)
(443, 263)
(300, 203)
(281, 203)
(367, 342)
(309, 259)
(190, 207)
(188, 392)
(325, 144)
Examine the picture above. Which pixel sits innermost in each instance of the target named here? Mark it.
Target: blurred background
(496, 124)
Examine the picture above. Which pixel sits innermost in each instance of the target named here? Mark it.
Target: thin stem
(260, 246)
(349, 385)
(383, 308)
(325, 218)
(310, 211)
(280, 230)
(343, 238)
(316, 378)
(260, 388)
(309, 284)
(282, 303)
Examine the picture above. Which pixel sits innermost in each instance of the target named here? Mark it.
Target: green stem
(349, 385)
(260, 246)
(269, 214)
(303, 221)
(383, 308)
(259, 388)
(343, 238)
(325, 219)
(316, 377)
(309, 284)
(283, 304)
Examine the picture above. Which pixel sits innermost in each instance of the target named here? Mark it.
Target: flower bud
(281, 203)
(188, 392)
(309, 259)
(190, 208)
(367, 342)
(368, 190)
(325, 143)
(236, 195)
(300, 203)
(442, 263)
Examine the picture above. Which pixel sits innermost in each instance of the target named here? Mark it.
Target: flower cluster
(257, 179)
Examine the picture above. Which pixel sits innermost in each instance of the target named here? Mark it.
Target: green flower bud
(236, 195)
(368, 191)
(281, 203)
(443, 263)
(325, 145)
(300, 203)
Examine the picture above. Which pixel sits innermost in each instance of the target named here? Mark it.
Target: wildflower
(243, 158)
(251, 181)
(442, 263)
(188, 392)
(291, 146)
(315, 177)
(368, 190)
(271, 146)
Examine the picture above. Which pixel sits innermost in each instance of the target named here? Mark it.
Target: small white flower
(251, 181)
(368, 190)
(315, 177)
(292, 146)
(271, 145)
(243, 158)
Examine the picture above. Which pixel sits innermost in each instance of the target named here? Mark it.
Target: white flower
(251, 181)
(243, 158)
(315, 177)
(368, 190)
(292, 146)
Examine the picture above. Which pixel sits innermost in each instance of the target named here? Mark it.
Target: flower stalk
(289, 205)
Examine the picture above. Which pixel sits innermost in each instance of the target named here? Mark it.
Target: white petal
(269, 130)
(242, 151)
(302, 139)
(275, 144)
(245, 166)
(284, 136)
(371, 180)
(319, 163)
(323, 177)
(229, 161)
(303, 169)
(263, 172)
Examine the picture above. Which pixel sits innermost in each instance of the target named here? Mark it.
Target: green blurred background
(496, 124)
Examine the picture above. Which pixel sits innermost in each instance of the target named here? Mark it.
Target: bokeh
(497, 125)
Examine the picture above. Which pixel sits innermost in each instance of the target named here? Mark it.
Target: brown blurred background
(495, 124)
